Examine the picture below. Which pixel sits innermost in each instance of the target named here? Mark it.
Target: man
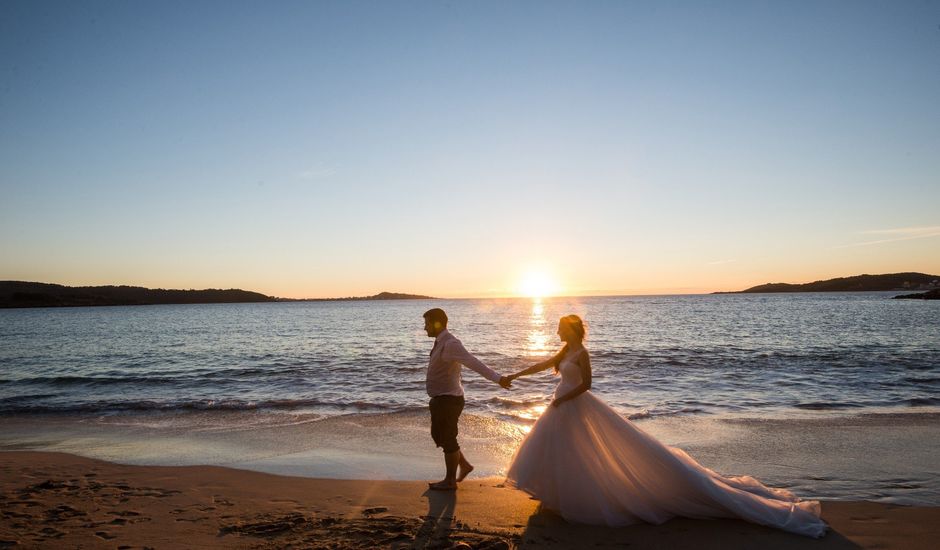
(446, 393)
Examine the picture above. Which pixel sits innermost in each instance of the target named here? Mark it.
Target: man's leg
(465, 467)
(451, 462)
(448, 417)
(438, 422)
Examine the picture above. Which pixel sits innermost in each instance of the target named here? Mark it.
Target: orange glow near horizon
(537, 283)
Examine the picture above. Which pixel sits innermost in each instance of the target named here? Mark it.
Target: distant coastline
(24, 294)
(929, 295)
(379, 296)
(857, 283)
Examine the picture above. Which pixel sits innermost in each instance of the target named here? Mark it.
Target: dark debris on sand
(33, 515)
(295, 530)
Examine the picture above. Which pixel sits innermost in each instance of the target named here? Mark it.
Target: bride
(586, 462)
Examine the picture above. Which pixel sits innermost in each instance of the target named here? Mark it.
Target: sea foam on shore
(881, 457)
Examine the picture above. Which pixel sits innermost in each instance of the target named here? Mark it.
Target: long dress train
(586, 462)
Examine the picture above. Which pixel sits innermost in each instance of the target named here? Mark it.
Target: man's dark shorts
(445, 410)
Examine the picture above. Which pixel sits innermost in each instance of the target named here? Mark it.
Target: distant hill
(26, 294)
(379, 296)
(398, 296)
(858, 283)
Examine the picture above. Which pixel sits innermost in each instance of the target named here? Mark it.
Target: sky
(459, 149)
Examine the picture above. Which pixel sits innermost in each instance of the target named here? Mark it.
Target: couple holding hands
(587, 463)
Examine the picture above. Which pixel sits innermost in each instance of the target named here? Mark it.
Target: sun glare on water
(537, 284)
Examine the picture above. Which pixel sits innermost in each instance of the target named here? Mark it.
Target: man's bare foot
(464, 472)
(443, 486)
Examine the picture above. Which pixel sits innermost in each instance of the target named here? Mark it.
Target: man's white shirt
(444, 366)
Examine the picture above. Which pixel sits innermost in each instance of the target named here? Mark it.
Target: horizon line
(589, 294)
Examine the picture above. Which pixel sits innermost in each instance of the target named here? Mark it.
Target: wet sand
(885, 458)
(58, 500)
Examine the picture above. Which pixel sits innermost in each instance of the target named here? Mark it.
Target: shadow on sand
(439, 522)
(442, 529)
(546, 529)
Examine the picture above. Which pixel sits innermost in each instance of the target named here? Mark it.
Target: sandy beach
(57, 500)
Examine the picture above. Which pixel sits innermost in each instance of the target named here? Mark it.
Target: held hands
(506, 381)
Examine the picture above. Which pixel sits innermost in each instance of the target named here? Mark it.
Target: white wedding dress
(589, 464)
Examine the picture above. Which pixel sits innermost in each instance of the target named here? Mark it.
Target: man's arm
(454, 351)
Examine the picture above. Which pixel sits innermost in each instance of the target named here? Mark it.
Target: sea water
(342, 382)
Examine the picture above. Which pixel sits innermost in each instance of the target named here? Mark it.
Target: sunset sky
(459, 149)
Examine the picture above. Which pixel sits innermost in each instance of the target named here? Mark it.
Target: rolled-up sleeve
(454, 351)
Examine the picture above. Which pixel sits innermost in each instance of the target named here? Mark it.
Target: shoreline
(838, 457)
(420, 298)
(54, 500)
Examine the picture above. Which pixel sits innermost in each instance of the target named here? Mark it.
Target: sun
(537, 284)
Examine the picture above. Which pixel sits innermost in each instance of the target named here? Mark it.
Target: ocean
(282, 383)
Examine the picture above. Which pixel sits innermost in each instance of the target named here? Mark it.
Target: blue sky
(343, 148)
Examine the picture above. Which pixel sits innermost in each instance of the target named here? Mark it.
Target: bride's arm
(539, 367)
(584, 363)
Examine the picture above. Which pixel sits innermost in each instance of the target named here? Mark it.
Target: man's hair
(436, 316)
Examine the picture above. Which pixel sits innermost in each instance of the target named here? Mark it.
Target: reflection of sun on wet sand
(54, 500)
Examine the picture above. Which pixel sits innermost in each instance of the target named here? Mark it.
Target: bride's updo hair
(577, 327)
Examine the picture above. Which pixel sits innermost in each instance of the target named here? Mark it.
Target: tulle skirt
(589, 464)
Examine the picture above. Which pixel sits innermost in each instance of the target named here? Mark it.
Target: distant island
(929, 295)
(20, 294)
(379, 296)
(858, 283)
